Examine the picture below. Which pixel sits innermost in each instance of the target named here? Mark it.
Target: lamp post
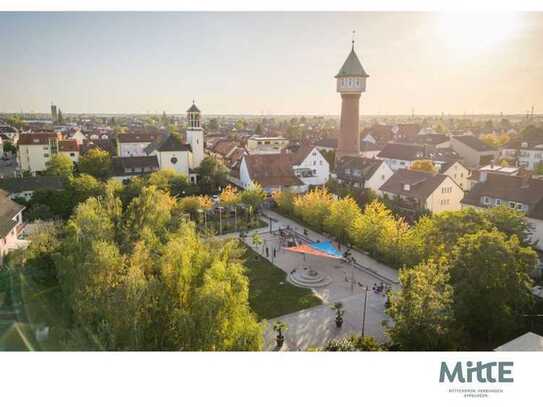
(364, 311)
(220, 219)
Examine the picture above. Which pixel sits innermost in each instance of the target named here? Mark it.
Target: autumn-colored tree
(284, 201)
(229, 197)
(342, 214)
(59, 165)
(423, 165)
(313, 207)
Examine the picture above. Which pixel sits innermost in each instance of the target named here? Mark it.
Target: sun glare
(478, 31)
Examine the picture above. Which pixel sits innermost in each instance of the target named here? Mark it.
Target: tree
(422, 309)
(373, 229)
(97, 163)
(151, 284)
(423, 165)
(168, 180)
(340, 218)
(59, 165)
(229, 197)
(253, 197)
(9, 147)
(284, 201)
(313, 207)
(15, 121)
(213, 175)
(83, 187)
(490, 276)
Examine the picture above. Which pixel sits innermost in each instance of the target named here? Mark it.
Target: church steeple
(193, 116)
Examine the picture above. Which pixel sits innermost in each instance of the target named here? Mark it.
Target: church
(141, 154)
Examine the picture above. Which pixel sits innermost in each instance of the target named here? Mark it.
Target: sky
(270, 63)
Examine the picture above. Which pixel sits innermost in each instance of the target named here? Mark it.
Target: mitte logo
(490, 372)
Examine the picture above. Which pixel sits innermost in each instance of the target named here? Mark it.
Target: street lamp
(364, 312)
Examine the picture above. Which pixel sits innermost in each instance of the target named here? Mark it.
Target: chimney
(524, 181)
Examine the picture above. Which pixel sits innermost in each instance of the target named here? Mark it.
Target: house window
(498, 202)
(72, 154)
(512, 205)
(519, 206)
(320, 162)
(173, 160)
(46, 155)
(314, 163)
(486, 200)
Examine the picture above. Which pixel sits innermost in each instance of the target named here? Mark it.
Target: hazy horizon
(270, 63)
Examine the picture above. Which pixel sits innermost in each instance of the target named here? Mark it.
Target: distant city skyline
(270, 63)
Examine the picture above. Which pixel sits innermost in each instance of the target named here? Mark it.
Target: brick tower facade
(351, 82)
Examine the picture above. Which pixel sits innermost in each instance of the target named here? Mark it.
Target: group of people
(381, 288)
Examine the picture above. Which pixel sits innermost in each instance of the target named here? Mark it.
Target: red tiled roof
(36, 138)
(137, 137)
(68, 145)
(271, 170)
(421, 184)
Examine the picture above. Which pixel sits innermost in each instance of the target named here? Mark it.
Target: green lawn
(270, 295)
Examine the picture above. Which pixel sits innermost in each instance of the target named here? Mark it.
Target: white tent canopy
(529, 342)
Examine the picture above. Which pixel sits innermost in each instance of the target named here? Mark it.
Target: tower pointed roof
(193, 108)
(352, 66)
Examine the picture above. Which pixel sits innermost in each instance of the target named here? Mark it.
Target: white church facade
(164, 151)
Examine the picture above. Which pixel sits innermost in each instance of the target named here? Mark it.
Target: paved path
(315, 326)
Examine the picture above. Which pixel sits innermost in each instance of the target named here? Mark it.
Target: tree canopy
(141, 278)
(59, 165)
(97, 163)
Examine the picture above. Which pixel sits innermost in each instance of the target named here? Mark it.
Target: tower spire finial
(354, 32)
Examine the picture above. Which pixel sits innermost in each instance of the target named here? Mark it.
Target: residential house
(125, 168)
(423, 190)
(35, 149)
(326, 144)
(406, 133)
(11, 220)
(473, 151)
(266, 145)
(370, 150)
(516, 192)
(401, 156)
(363, 173)
(528, 152)
(378, 134)
(433, 139)
(310, 166)
(457, 172)
(134, 144)
(273, 172)
(70, 149)
(24, 187)
(9, 133)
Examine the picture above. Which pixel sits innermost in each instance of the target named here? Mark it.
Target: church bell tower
(195, 135)
(351, 82)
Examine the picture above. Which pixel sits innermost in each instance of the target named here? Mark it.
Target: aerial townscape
(198, 231)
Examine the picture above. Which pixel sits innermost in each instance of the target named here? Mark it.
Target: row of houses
(134, 153)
